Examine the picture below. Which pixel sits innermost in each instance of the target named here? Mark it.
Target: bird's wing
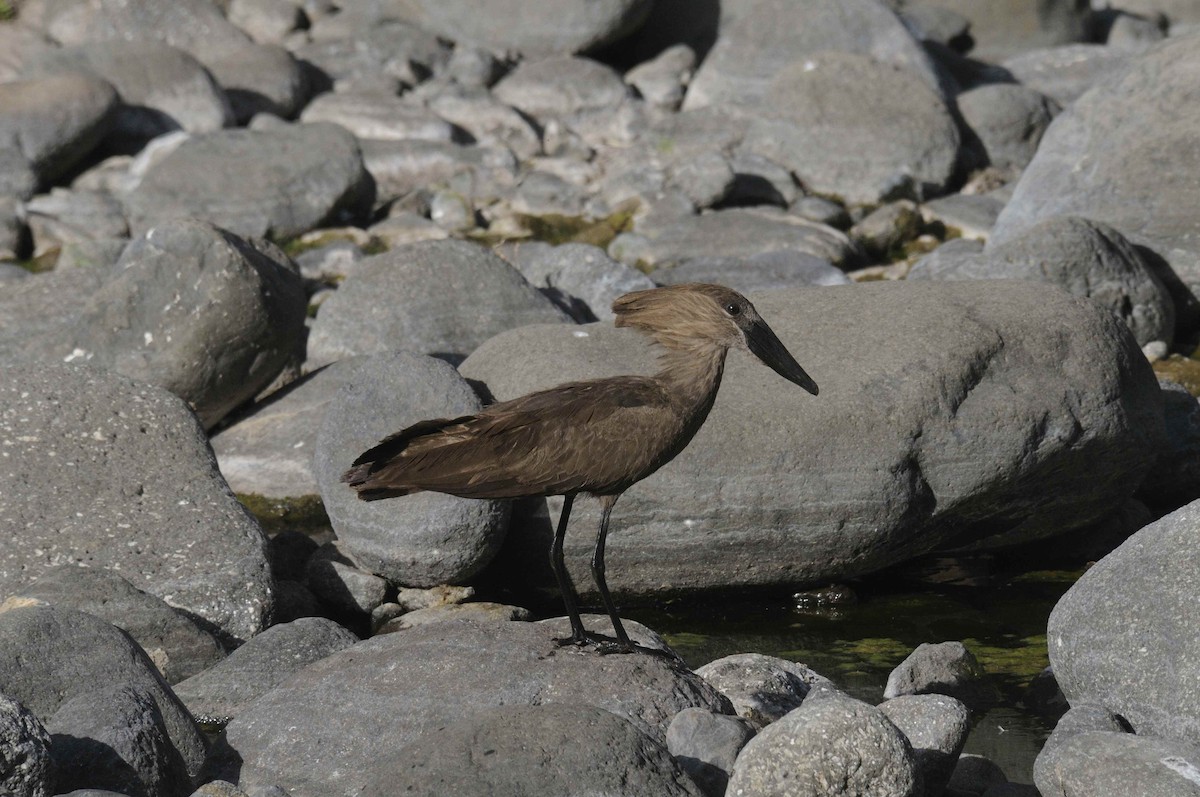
(546, 443)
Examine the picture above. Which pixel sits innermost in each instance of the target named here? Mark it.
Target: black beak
(770, 350)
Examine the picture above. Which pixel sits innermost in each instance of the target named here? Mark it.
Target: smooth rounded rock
(561, 86)
(1009, 120)
(945, 668)
(706, 745)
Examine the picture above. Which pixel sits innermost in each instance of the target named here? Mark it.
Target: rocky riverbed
(241, 241)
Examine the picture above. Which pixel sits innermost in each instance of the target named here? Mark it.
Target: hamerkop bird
(596, 437)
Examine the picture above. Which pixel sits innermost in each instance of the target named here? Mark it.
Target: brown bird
(597, 437)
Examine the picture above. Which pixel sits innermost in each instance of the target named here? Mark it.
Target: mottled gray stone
(389, 690)
(261, 664)
(267, 21)
(945, 668)
(143, 495)
(416, 540)
(762, 688)
(706, 745)
(1104, 762)
(937, 727)
(26, 769)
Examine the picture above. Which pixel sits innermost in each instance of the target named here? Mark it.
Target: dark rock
(261, 664)
(946, 668)
(835, 745)
(289, 552)
(706, 744)
(1175, 477)
(153, 505)
(59, 661)
(1009, 120)
(762, 688)
(568, 750)
(281, 182)
(26, 769)
(937, 727)
(1121, 637)
(441, 298)
(975, 774)
(341, 584)
(417, 540)
(391, 689)
(176, 644)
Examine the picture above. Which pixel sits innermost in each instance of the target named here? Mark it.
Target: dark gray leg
(564, 580)
(598, 574)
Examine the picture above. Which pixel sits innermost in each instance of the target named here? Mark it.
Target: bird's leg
(624, 645)
(578, 637)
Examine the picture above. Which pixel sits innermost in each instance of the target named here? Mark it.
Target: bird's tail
(377, 472)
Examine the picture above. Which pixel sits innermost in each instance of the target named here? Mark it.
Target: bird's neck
(692, 375)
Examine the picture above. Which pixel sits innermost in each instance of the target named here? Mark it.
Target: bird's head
(687, 316)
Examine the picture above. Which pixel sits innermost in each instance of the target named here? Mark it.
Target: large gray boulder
(278, 182)
(848, 125)
(567, 750)
(767, 34)
(985, 413)
(142, 494)
(1101, 159)
(441, 298)
(1108, 762)
(198, 311)
(386, 692)
(420, 540)
(1124, 636)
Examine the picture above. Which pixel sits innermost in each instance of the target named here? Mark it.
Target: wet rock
(281, 182)
(176, 644)
(754, 45)
(706, 744)
(561, 87)
(54, 122)
(1120, 763)
(162, 88)
(338, 581)
(1148, 112)
(835, 745)
(441, 298)
(26, 769)
(1065, 73)
(269, 450)
(1125, 623)
(1009, 120)
(419, 540)
(762, 688)
(937, 727)
(389, 690)
(91, 680)
(198, 311)
(262, 663)
(116, 738)
(765, 271)
(378, 115)
(997, 399)
(153, 504)
(546, 749)
(1176, 473)
(946, 668)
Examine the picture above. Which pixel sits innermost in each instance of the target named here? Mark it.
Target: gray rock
(381, 53)
(338, 581)
(530, 26)
(441, 298)
(198, 311)
(267, 21)
(54, 121)
(543, 194)
(819, 114)
(1175, 477)
(39, 307)
(176, 644)
(391, 689)
(548, 749)
(580, 278)
(378, 115)
(765, 271)
(706, 744)
(100, 255)
(945, 668)
(221, 788)
(17, 177)
(261, 664)
(561, 87)
(1000, 407)
(1065, 73)
(887, 228)
(14, 237)
(662, 80)
(401, 167)
(833, 746)
(1011, 790)
(975, 774)
(972, 215)
(762, 688)
(269, 451)
(116, 738)
(934, 23)
(758, 180)
(83, 677)
(769, 34)
(26, 769)
(641, 636)
(1011, 26)
(162, 88)
(289, 552)
(1009, 120)
(153, 505)
(480, 611)
(1153, 112)
(65, 216)
(1121, 636)
(279, 183)
(823, 210)
(488, 120)
(741, 232)
(1136, 33)
(1103, 762)
(417, 540)
(19, 44)
(956, 259)
(259, 78)
(937, 727)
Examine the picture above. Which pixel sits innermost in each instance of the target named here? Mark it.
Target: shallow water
(1003, 624)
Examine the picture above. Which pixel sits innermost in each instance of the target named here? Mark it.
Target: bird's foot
(606, 647)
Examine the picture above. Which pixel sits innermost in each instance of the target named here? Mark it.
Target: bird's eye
(733, 309)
